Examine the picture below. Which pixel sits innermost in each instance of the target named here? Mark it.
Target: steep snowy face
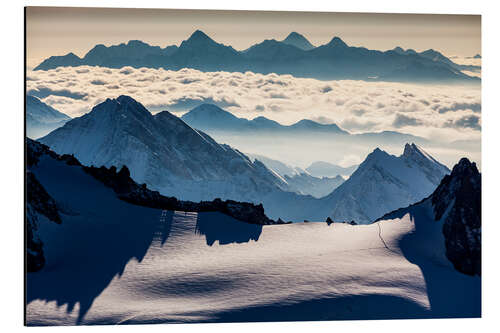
(41, 118)
(386, 182)
(416, 156)
(163, 152)
(457, 201)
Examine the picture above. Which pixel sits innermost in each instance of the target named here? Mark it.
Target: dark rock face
(39, 201)
(458, 200)
(35, 259)
(130, 191)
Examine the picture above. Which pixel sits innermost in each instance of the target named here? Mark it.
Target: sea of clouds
(433, 111)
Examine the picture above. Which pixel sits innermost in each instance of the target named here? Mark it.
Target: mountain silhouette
(294, 55)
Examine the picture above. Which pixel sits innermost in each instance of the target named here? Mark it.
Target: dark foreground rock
(457, 200)
(456, 203)
(38, 202)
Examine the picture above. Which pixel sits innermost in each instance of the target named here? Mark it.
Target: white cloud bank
(450, 112)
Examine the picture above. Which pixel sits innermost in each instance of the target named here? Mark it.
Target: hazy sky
(58, 31)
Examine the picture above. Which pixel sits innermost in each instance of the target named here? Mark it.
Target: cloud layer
(431, 111)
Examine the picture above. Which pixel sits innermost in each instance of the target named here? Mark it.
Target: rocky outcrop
(456, 204)
(128, 190)
(457, 201)
(38, 202)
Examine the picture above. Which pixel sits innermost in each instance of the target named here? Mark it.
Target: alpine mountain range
(294, 55)
(170, 156)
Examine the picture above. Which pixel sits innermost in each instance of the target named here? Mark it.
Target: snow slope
(110, 262)
(41, 119)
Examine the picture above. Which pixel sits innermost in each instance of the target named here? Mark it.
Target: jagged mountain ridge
(209, 117)
(214, 120)
(437, 56)
(384, 182)
(334, 60)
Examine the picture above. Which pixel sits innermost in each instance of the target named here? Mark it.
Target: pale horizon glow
(60, 30)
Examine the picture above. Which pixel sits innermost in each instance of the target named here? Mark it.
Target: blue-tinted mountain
(209, 117)
(437, 57)
(294, 55)
(214, 120)
(41, 118)
(299, 41)
(68, 60)
(400, 50)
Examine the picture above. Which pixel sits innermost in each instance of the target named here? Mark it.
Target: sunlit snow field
(303, 271)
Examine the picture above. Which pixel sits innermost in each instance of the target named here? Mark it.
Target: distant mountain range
(214, 120)
(300, 181)
(294, 55)
(209, 117)
(41, 118)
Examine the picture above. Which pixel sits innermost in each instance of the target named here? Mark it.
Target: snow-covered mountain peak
(377, 155)
(384, 182)
(415, 156)
(122, 104)
(414, 150)
(163, 152)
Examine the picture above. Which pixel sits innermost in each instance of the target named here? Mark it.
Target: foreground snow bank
(191, 269)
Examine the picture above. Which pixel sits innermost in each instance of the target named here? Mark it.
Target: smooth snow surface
(110, 262)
